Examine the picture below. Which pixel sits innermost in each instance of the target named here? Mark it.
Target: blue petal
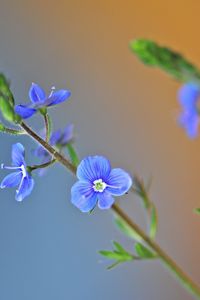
(119, 182)
(190, 123)
(58, 97)
(25, 188)
(94, 167)
(67, 134)
(18, 154)
(41, 152)
(55, 137)
(83, 196)
(11, 180)
(188, 96)
(36, 94)
(24, 111)
(105, 200)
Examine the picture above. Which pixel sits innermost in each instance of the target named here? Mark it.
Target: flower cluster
(97, 182)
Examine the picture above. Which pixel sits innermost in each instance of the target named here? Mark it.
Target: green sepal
(73, 154)
(173, 63)
(144, 252)
(126, 229)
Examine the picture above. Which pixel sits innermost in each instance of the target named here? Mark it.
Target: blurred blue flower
(189, 96)
(58, 138)
(20, 177)
(98, 183)
(39, 100)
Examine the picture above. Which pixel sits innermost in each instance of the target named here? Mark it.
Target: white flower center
(99, 185)
(23, 170)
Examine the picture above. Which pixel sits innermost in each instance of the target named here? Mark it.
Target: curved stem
(41, 166)
(186, 281)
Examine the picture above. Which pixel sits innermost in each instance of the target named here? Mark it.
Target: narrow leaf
(153, 222)
(5, 89)
(115, 264)
(150, 53)
(143, 252)
(126, 229)
(111, 255)
(73, 155)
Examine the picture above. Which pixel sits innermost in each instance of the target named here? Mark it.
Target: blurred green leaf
(111, 254)
(7, 109)
(197, 211)
(150, 53)
(144, 252)
(5, 90)
(126, 229)
(73, 155)
(153, 222)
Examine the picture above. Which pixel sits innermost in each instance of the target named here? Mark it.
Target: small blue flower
(39, 100)
(20, 177)
(189, 96)
(98, 183)
(59, 139)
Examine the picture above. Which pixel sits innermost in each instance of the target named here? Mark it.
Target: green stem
(185, 280)
(41, 166)
(11, 131)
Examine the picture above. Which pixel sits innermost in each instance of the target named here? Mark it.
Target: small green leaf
(197, 211)
(111, 254)
(5, 90)
(153, 222)
(115, 264)
(119, 247)
(143, 252)
(73, 155)
(150, 53)
(126, 229)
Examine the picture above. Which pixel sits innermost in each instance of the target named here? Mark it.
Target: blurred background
(121, 109)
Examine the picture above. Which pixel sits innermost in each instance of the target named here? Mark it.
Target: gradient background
(48, 249)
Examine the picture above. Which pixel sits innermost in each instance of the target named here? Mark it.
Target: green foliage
(140, 189)
(144, 252)
(150, 53)
(119, 254)
(153, 222)
(126, 229)
(197, 211)
(7, 101)
(5, 90)
(73, 155)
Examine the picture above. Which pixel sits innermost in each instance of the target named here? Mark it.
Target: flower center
(99, 185)
(23, 169)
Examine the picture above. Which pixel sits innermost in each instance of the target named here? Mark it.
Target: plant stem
(47, 121)
(41, 166)
(185, 280)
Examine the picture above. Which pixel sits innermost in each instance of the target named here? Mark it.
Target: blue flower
(58, 138)
(20, 177)
(98, 183)
(189, 96)
(39, 100)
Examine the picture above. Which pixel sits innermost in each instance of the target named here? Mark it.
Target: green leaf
(197, 211)
(119, 247)
(5, 90)
(7, 110)
(126, 229)
(115, 264)
(73, 155)
(143, 252)
(150, 53)
(154, 222)
(112, 255)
